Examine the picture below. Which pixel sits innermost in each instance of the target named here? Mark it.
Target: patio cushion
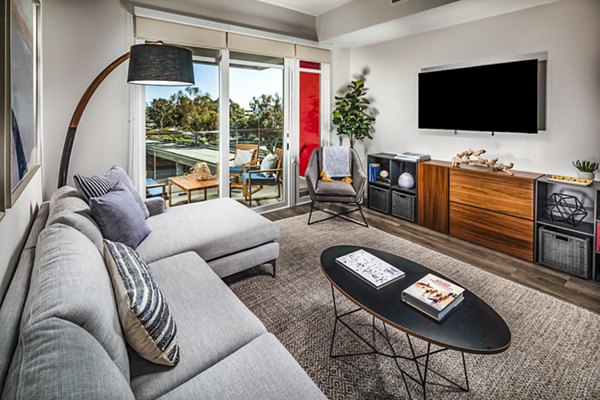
(258, 178)
(212, 229)
(212, 323)
(335, 188)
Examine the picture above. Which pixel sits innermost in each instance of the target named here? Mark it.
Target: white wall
(14, 227)
(568, 30)
(81, 38)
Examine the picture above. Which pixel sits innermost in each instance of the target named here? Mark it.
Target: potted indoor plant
(586, 168)
(352, 115)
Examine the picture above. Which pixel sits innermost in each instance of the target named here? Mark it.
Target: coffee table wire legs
(423, 368)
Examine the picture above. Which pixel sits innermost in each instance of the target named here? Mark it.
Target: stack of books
(374, 170)
(408, 156)
(433, 296)
(371, 269)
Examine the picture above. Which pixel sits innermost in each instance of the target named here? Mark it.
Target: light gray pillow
(269, 162)
(242, 157)
(119, 216)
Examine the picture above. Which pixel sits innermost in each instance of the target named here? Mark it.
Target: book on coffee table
(433, 296)
(371, 269)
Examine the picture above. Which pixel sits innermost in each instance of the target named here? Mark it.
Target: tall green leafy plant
(352, 115)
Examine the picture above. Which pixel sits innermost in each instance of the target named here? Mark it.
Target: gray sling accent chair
(336, 191)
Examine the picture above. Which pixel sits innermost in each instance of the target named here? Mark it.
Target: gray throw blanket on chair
(336, 161)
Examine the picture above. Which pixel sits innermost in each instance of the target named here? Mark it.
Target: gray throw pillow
(119, 217)
(147, 322)
(97, 185)
(269, 162)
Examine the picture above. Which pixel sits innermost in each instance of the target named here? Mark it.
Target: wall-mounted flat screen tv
(497, 98)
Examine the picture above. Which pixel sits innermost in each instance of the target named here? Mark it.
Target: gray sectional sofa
(60, 336)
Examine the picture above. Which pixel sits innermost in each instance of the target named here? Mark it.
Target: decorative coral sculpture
(493, 164)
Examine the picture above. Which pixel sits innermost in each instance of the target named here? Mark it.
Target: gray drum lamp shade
(161, 65)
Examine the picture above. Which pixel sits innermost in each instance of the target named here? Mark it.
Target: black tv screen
(497, 98)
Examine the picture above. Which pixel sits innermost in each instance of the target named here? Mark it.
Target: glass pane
(256, 137)
(256, 58)
(310, 123)
(182, 138)
(310, 65)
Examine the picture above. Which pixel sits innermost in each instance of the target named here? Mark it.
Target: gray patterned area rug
(554, 354)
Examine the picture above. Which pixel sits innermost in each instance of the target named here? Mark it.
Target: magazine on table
(434, 296)
(371, 269)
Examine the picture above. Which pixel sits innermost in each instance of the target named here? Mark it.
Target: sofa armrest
(155, 205)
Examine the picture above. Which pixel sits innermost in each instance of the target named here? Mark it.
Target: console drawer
(494, 192)
(496, 231)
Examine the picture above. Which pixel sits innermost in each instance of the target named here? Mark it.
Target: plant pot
(586, 175)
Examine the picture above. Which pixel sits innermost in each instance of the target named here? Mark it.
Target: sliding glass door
(256, 127)
(182, 133)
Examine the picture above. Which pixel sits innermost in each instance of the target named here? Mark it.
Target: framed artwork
(19, 152)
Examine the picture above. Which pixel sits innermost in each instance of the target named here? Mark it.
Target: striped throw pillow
(147, 323)
(99, 185)
(93, 186)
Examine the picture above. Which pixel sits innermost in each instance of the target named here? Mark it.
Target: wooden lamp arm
(87, 95)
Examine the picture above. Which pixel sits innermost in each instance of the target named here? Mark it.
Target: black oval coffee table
(473, 327)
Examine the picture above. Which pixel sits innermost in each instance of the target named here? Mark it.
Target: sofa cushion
(65, 200)
(213, 229)
(57, 360)
(119, 217)
(69, 281)
(212, 323)
(96, 186)
(261, 370)
(147, 323)
(68, 208)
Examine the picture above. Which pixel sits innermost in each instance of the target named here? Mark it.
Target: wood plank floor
(567, 287)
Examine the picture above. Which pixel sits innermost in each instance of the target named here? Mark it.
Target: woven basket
(565, 252)
(201, 171)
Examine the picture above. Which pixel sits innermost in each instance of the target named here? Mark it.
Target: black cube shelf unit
(385, 195)
(574, 249)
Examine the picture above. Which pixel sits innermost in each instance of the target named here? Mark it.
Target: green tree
(266, 112)
(160, 111)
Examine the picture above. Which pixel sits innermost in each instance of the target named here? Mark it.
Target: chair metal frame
(359, 179)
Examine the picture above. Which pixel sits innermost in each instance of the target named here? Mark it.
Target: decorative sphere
(406, 181)
(384, 174)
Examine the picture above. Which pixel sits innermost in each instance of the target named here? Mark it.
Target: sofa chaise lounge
(60, 336)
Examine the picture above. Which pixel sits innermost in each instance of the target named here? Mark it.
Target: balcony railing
(173, 153)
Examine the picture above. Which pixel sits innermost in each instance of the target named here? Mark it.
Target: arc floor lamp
(149, 64)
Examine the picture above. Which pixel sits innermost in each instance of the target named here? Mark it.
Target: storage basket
(403, 206)
(565, 252)
(378, 198)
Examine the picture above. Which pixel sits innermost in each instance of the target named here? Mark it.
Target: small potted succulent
(586, 168)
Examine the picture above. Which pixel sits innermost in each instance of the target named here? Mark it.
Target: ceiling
(312, 7)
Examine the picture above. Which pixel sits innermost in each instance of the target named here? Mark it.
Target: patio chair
(235, 171)
(261, 178)
(155, 189)
(335, 192)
